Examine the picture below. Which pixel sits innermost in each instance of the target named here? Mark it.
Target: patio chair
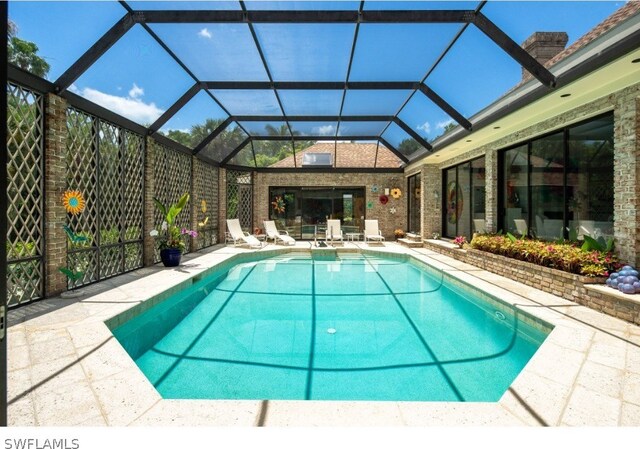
(480, 225)
(334, 232)
(274, 234)
(240, 237)
(371, 231)
(521, 226)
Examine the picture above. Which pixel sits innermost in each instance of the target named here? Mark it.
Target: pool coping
(66, 368)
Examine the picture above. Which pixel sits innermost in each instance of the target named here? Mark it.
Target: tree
(180, 136)
(408, 146)
(448, 127)
(24, 54)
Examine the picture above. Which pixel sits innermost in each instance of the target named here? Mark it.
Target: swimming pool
(361, 327)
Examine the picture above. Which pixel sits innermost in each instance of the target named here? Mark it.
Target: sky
(139, 80)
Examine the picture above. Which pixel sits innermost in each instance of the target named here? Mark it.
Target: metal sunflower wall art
(278, 204)
(73, 201)
(396, 193)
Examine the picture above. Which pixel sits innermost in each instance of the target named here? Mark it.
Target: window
(304, 211)
(464, 199)
(560, 185)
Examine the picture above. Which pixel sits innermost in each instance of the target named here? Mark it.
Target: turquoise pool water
(356, 328)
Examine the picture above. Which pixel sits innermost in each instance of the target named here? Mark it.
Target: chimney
(544, 45)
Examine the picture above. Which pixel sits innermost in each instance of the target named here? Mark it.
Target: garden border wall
(569, 286)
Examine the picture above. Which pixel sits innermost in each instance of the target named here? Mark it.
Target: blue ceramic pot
(170, 257)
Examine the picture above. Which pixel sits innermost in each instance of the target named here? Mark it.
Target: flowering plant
(460, 241)
(562, 256)
(399, 233)
(169, 235)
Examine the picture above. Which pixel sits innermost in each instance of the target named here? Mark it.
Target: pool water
(356, 328)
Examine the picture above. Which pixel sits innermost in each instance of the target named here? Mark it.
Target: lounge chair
(334, 232)
(240, 237)
(480, 225)
(521, 226)
(371, 231)
(274, 234)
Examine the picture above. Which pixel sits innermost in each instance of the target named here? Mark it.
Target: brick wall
(222, 204)
(626, 107)
(565, 285)
(431, 179)
(626, 168)
(149, 224)
(386, 221)
(55, 183)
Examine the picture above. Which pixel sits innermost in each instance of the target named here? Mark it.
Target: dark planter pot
(170, 257)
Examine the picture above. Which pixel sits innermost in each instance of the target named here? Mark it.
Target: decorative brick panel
(387, 222)
(55, 184)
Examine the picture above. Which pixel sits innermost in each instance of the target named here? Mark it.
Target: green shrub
(19, 250)
(562, 256)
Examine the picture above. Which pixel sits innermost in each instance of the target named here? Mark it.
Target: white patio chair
(240, 237)
(521, 226)
(480, 225)
(334, 232)
(371, 231)
(276, 235)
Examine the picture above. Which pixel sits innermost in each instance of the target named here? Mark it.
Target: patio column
(491, 190)
(626, 173)
(149, 207)
(55, 183)
(431, 188)
(194, 203)
(222, 204)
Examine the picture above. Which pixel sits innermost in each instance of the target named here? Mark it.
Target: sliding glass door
(304, 211)
(464, 199)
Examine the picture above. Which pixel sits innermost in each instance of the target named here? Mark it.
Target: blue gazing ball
(626, 288)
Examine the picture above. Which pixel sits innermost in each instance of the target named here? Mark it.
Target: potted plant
(170, 237)
(460, 240)
(399, 233)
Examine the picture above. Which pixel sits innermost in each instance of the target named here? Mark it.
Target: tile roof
(349, 155)
(630, 9)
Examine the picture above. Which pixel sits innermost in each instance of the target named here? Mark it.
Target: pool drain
(331, 331)
(500, 315)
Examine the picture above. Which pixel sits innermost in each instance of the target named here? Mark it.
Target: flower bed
(561, 256)
(588, 291)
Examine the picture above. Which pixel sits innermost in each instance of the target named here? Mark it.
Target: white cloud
(205, 33)
(426, 127)
(325, 130)
(441, 125)
(131, 106)
(136, 92)
(168, 130)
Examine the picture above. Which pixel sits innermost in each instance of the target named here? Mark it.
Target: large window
(560, 185)
(464, 199)
(304, 211)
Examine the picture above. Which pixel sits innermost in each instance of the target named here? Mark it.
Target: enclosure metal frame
(252, 17)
